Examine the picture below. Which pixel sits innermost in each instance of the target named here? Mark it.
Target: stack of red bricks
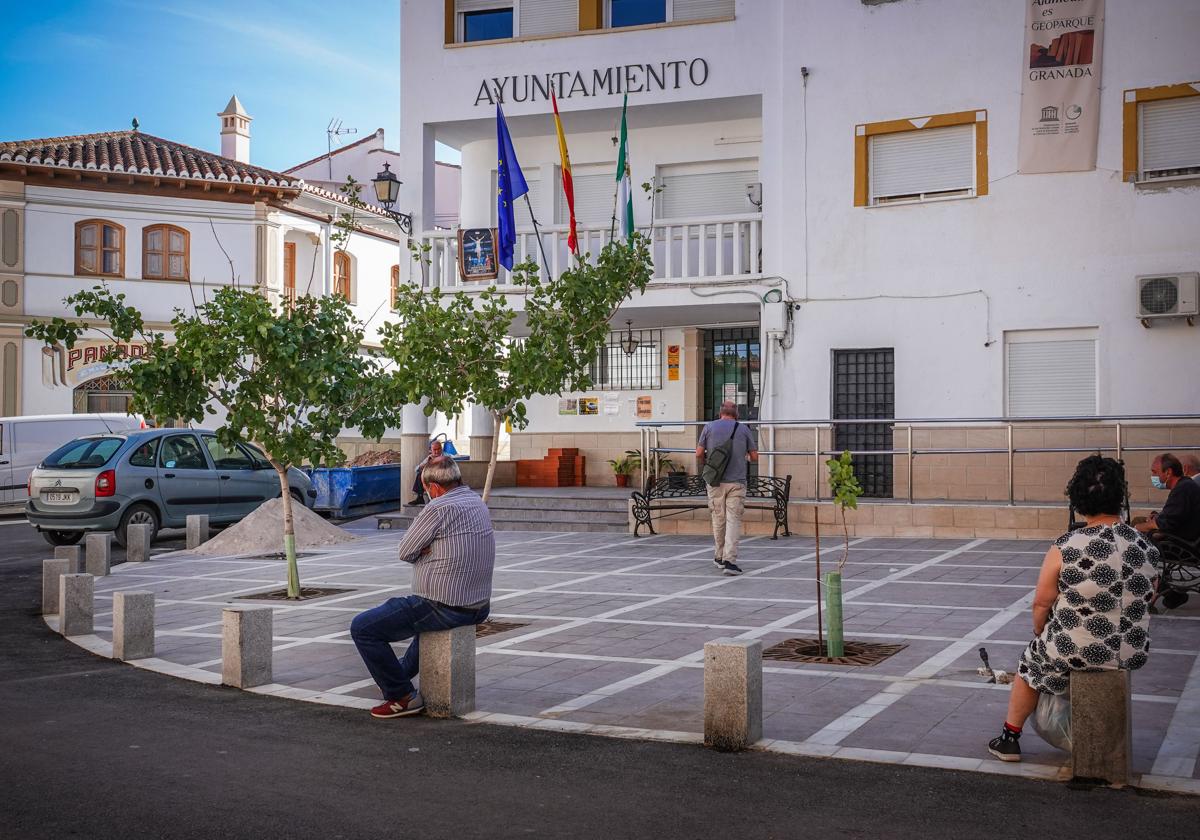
(560, 468)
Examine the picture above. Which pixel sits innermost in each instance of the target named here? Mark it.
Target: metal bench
(1179, 567)
(661, 496)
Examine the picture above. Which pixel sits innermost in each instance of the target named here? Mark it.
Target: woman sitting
(1091, 606)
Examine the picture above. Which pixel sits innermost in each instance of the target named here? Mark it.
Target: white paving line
(1181, 744)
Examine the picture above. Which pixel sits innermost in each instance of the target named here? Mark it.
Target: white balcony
(698, 250)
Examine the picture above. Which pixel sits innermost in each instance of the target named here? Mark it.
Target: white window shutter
(1051, 378)
(910, 163)
(593, 199)
(1170, 131)
(699, 195)
(701, 9)
(548, 17)
(481, 5)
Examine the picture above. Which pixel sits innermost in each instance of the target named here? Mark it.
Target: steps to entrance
(601, 509)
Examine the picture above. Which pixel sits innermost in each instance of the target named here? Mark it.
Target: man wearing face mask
(1180, 515)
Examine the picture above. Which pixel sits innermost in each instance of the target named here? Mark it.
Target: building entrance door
(732, 371)
(864, 388)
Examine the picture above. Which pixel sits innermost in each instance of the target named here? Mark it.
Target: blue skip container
(349, 492)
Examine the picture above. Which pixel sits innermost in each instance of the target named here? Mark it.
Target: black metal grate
(732, 371)
(811, 650)
(616, 370)
(495, 628)
(864, 387)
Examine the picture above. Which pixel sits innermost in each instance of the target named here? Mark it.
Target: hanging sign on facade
(601, 81)
(477, 255)
(86, 360)
(645, 408)
(672, 362)
(1060, 88)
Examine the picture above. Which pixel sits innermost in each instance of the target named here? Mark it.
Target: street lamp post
(387, 191)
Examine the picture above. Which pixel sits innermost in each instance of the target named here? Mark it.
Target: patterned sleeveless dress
(1101, 619)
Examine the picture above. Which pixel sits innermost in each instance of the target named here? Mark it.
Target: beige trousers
(726, 502)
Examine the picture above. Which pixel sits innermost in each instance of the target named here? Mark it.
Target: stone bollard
(75, 607)
(133, 625)
(1101, 726)
(247, 638)
(52, 570)
(71, 553)
(448, 671)
(197, 530)
(732, 693)
(137, 546)
(98, 554)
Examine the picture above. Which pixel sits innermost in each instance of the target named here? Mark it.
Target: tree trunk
(491, 472)
(289, 533)
(846, 541)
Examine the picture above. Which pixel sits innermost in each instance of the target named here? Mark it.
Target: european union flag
(510, 185)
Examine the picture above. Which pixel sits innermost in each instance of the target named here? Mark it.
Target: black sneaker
(1006, 747)
(731, 569)
(720, 563)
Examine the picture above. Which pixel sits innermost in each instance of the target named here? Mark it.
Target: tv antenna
(334, 129)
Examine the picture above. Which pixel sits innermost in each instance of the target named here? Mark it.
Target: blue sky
(77, 67)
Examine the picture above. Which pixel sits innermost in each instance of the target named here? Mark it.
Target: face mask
(1158, 483)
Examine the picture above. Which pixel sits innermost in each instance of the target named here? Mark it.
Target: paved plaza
(613, 629)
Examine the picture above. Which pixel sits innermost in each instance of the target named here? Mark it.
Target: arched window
(99, 248)
(341, 274)
(165, 253)
(395, 284)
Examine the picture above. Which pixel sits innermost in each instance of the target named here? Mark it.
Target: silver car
(156, 477)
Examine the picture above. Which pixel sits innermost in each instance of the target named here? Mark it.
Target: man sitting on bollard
(453, 551)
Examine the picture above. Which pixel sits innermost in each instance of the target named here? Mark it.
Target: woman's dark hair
(1098, 486)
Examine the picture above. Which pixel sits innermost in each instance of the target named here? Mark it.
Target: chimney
(235, 131)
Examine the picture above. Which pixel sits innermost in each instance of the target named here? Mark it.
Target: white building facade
(166, 225)
(842, 230)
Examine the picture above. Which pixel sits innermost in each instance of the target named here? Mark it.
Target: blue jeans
(397, 619)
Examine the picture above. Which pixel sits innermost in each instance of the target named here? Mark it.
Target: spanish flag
(568, 185)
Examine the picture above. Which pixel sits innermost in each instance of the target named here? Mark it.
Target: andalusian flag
(623, 210)
(568, 184)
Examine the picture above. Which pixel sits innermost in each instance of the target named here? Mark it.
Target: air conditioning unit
(1168, 296)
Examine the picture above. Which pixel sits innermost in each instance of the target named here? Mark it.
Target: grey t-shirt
(716, 433)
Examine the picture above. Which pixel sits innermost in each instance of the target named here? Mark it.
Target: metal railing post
(817, 462)
(1119, 442)
(911, 459)
(771, 446)
(1010, 463)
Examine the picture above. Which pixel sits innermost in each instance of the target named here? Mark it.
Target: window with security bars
(864, 388)
(641, 370)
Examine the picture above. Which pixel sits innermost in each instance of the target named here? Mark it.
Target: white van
(25, 441)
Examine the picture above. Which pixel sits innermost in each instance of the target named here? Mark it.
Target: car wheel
(296, 497)
(136, 515)
(62, 537)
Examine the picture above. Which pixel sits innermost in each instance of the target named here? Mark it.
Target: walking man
(453, 551)
(726, 445)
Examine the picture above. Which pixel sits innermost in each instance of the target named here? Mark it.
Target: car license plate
(59, 498)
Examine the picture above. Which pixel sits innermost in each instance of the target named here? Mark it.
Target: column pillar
(482, 433)
(414, 446)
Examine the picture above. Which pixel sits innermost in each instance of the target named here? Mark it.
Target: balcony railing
(683, 250)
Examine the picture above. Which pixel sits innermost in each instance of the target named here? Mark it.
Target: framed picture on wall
(477, 255)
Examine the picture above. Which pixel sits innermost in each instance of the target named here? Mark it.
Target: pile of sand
(375, 459)
(262, 532)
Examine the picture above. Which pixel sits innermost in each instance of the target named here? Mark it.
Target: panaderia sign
(1060, 87)
(86, 360)
(604, 81)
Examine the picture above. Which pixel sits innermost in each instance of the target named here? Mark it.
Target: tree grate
(307, 593)
(280, 555)
(495, 628)
(809, 650)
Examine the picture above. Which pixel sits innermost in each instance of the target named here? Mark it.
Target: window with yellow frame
(921, 159)
(1161, 133)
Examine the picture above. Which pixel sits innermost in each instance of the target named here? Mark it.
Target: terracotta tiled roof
(140, 154)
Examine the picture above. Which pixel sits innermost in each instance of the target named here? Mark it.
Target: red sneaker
(413, 704)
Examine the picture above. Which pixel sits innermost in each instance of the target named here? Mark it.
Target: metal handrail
(650, 440)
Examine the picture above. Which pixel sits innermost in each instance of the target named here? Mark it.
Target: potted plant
(665, 465)
(622, 469)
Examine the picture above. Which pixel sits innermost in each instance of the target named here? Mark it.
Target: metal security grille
(732, 371)
(616, 370)
(864, 387)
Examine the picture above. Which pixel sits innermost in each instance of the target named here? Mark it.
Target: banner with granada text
(1060, 92)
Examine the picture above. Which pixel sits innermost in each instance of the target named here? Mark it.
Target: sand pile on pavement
(375, 459)
(262, 532)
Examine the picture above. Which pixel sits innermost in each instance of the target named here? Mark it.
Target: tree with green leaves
(846, 490)
(451, 349)
(289, 381)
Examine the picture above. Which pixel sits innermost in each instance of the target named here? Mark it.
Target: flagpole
(538, 233)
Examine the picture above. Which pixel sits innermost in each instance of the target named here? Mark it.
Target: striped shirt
(453, 550)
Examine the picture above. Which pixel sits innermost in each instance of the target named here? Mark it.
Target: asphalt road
(91, 748)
